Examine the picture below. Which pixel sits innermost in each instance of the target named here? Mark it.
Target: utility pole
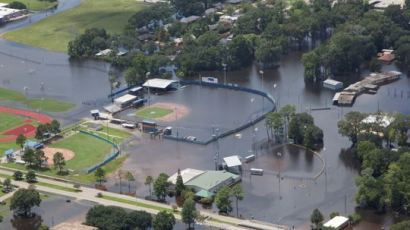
(216, 139)
(263, 98)
(224, 65)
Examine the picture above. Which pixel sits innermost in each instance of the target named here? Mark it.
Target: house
(386, 55)
(337, 223)
(382, 119)
(104, 52)
(332, 84)
(233, 164)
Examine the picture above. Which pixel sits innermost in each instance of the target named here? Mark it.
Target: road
(90, 194)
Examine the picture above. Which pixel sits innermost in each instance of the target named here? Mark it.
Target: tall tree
(316, 218)
(148, 182)
(40, 158)
(20, 140)
(31, 176)
(238, 194)
(7, 186)
(130, 178)
(107, 218)
(179, 185)
(23, 200)
(223, 203)
(189, 213)
(139, 220)
(164, 220)
(28, 156)
(59, 161)
(351, 125)
(161, 186)
(99, 175)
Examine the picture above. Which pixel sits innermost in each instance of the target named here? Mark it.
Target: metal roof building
(212, 181)
(186, 174)
(159, 83)
(337, 222)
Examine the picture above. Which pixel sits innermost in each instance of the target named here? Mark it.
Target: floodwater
(288, 199)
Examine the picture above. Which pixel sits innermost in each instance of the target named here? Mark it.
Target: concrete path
(90, 194)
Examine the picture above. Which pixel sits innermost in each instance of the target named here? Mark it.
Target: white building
(332, 84)
(337, 223)
(125, 100)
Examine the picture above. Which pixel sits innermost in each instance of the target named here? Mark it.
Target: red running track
(27, 130)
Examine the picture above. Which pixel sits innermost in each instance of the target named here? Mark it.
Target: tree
(148, 181)
(39, 158)
(20, 140)
(59, 161)
(23, 200)
(139, 220)
(130, 178)
(161, 186)
(370, 190)
(308, 138)
(55, 126)
(17, 5)
(120, 174)
(99, 175)
(7, 186)
(351, 125)
(238, 194)
(179, 185)
(18, 175)
(189, 213)
(107, 217)
(41, 130)
(375, 65)
(164, 220)
(316, 218)
(31, 176)
(223, 203)
(28, 156)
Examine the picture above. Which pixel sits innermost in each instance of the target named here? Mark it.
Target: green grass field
(35, 5)
(54, 32)
(88, 150)
(45, 104)
(9, 121)
(153, 112)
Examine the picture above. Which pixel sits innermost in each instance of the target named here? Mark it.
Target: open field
(9, 121)
(35, 5)
(88, 150)
(54, 33)
(115, 135)
(153, 112)
(47, 105)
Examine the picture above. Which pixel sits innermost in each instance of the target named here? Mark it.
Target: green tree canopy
(164, 220)
(23, 200)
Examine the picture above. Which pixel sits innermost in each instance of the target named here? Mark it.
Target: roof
(9, 152)
(158, 83)
(211, 179)
(332, 82)
(187, 175)
(204, 194)
(336, 222)
(6, 11)
(72, 226)
(103, 52)
(232, 161)
(136, 89)
(31, 144)
(384, 119)
(125, 98)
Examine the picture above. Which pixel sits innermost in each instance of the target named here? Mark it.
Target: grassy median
(54, 32)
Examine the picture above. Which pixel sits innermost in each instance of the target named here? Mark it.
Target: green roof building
(212, 181)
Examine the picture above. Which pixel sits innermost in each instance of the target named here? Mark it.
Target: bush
(355, 218)
(17, 5)
(333, 214)
(18, 175)
(99, 195)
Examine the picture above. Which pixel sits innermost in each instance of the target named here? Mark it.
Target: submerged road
(90, 194)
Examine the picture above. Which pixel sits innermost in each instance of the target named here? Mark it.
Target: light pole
(224, 65)
(216, 139)
(149, 93)
(263, 98)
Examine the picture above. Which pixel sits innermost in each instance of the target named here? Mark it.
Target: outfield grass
(115, 135)
(47, 105)
(35, 5)
(9, 121)
(153, 112)
(54, 32)
(88, 150)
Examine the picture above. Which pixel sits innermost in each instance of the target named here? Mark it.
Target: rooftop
(210, 179)
(232, 161)
(125, 98)
(336, 222)
(186, 174)
(385, 120)
(158, 83)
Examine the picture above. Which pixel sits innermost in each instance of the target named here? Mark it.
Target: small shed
(233, 164)
(337, 223)
(125, 100)
(9, 153)
(332, 84)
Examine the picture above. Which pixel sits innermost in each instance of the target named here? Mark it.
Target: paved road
(90, 194)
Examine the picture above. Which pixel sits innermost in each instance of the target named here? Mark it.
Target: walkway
(90, 194)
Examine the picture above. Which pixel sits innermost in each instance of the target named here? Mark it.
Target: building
(104, 52)
(233, 164)
(386, 55)
(33, 145)
(158, 85)
(205, 183)
(337, 223)
(382, 119)
(332, 84)
(125, 101)
(8, 14)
